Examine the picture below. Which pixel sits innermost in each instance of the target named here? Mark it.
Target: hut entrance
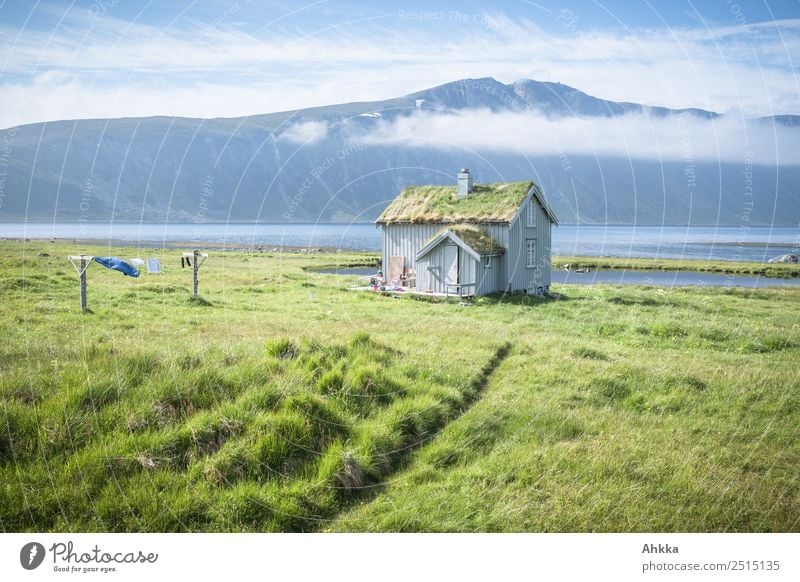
(450, 264)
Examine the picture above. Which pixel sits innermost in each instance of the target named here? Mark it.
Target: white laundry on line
(153, 266)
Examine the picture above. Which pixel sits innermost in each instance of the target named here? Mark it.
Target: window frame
(532, 212)
(530, 253)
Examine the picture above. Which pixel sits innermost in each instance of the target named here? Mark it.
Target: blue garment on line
(118, 264)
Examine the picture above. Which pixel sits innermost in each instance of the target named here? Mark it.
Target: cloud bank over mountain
(683, 137)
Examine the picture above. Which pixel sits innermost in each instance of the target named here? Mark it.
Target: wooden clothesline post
(195, 267)
(84, 305)
(197, 259)
(81, 263)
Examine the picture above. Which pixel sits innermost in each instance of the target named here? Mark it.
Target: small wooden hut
(469, 239)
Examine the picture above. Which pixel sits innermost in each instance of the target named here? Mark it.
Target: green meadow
(283, 401)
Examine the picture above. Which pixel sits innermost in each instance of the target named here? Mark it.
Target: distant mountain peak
(303, 165)
(549, 98)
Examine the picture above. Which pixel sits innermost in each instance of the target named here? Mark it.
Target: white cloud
(117, 68)
(675, 138)
(305, 132)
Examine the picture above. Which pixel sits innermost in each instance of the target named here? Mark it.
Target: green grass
(286, 402)
(497, 202)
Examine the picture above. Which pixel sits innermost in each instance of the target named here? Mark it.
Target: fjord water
(662, 242)
(634, 277)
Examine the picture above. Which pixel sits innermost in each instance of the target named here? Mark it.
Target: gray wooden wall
(520, 276)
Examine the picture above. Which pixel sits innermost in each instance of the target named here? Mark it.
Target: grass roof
(477, 239)
(486, 203)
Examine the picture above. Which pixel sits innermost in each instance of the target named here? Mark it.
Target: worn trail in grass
(276, 443)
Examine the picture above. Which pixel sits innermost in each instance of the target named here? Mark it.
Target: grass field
(285, 402)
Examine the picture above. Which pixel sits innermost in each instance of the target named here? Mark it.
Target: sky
(119, 58)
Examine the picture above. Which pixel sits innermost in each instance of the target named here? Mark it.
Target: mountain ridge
(370, 105)
(244, 168)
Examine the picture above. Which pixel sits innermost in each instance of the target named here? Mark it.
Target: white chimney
(464, 183)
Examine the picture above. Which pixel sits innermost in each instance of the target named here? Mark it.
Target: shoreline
(50, 221)
(778, 270)
(183, 245)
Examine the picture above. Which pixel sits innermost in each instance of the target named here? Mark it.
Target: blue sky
(116, 58)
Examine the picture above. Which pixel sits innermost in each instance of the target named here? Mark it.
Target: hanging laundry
(153, 266)
(117, 264)
(137, 262)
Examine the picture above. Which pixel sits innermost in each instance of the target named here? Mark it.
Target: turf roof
(471, 235)
(476, 238)
(497, 202)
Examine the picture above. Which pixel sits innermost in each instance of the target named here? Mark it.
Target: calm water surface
(636, 277)
(711, 243)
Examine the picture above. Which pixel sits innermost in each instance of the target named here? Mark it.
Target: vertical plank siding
(467, 271)
(405, 240)
(521, 277)
(424, 276)
(491, 279)
(543, 252)
(515, 256)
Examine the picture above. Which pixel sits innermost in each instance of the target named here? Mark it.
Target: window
(533, 207)
(531, 252)
(488, 262)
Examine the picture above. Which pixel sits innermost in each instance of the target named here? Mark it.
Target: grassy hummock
(785, 270)
(290, 403)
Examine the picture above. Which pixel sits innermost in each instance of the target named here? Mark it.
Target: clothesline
(81, 263)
